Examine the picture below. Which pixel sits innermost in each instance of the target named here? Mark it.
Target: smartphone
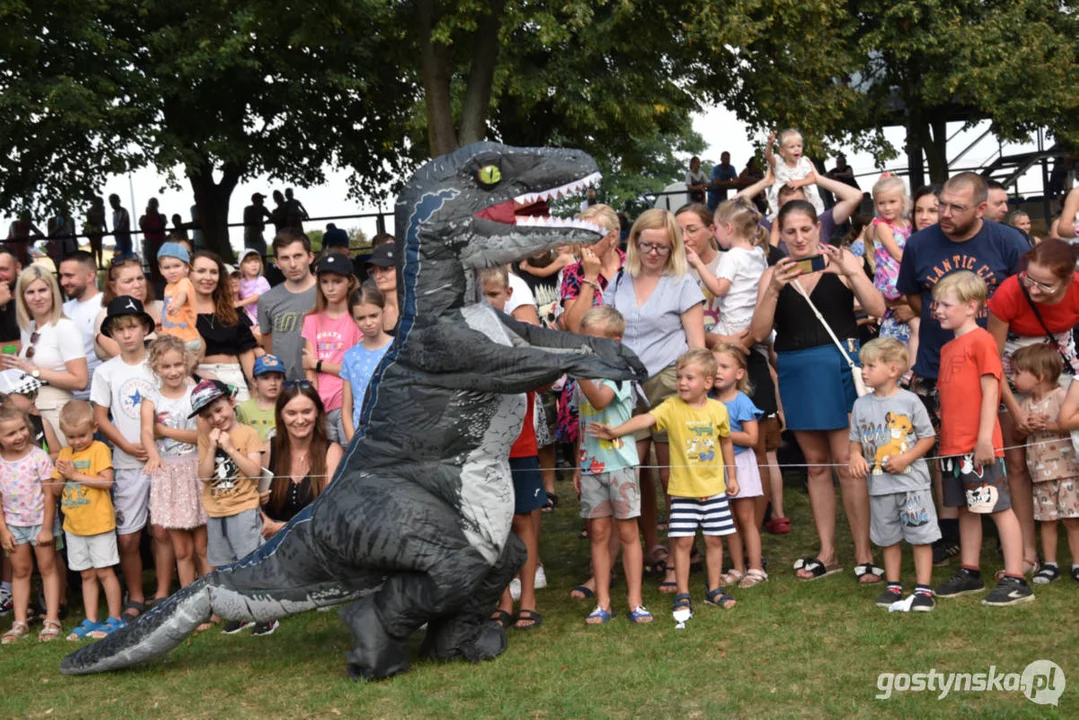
(812, 264)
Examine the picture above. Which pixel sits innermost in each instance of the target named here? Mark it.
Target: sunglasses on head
(118, 260)
(301, 384)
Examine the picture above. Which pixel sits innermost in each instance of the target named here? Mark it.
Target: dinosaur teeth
(558, 223)
(571, 188)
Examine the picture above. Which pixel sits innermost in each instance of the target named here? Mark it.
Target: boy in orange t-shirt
(179, 314)
(972, 444)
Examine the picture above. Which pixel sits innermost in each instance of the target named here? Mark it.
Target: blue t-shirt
(357, 367)
(723, 174)
(741, 410)
(601, 456)
(993, 255)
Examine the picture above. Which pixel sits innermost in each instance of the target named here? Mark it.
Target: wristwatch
(318, 366)
(35, 373)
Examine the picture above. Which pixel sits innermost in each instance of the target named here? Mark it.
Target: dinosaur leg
(469, 634)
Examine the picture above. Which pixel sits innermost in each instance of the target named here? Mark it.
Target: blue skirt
(816, 387)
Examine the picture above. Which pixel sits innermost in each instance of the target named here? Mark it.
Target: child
(890, 433)
(328, 331)
(230, 457)
(169, 435)
(360, 362)
(529, 494)
(1051, 458)
(731, 386)
(889, 232)
(696, 424)
(179, 312)
(971, 441)
(85, 466)
(258, 412)
(27, 519)
(795, 171)
(117, 390)
(252, 284)
(21, 390)
(607, 477)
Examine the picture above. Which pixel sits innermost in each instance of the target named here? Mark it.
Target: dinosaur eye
(489, 175)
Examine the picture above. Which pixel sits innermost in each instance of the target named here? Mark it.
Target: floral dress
(885, 275)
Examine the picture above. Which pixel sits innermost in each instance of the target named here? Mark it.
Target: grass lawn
(788, 649)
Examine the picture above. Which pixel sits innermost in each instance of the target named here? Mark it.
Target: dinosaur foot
(457, 639)
(377, 655)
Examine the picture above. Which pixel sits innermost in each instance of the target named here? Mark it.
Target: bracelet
(318, 366)
(595, 285)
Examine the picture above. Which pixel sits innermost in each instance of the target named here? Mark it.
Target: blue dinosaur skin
(415, 527)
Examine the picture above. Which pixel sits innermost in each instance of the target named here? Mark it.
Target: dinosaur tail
(283, 577)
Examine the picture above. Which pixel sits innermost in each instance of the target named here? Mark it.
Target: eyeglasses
(1032, 283)
(301, 384)
(649, 248)
(34, 337)
(951, 206)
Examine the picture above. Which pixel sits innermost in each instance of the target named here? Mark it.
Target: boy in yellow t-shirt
(695, 425)
(89, 518)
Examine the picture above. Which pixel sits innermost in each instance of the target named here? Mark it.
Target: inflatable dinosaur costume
(415, 527)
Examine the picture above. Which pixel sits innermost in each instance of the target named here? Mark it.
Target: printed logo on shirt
(132, 391)
(701, 445)
(286, 322)
(226, 471)
(880, 442)
(955, 263)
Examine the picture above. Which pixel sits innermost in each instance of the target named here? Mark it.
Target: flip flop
(778, 526)
(868, 570)
(530, 616)
(603, 616)
(816, 567)
(585, 593)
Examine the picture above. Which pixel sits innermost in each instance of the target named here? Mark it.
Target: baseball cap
(248, 252)
(174, 250)
(17, 382)
(257, 196)
(122, 305)
(335, 263)
(265, 364)
(383, 256)
(205, 393)
(335, 237)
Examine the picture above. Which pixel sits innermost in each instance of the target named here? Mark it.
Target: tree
(225, 90)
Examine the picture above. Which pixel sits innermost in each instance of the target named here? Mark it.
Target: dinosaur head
(481, 206)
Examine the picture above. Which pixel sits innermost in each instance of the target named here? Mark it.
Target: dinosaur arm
(593, 352)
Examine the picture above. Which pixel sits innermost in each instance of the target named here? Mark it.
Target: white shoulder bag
(855, 371)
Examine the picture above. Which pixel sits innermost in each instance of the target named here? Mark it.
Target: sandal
(778, 526)
(1029, 568)
(582, 593)
(640, 616)
(815, 568)
(503, 619)
(138, 607)
(109, 627)
(657, 560)
(868, 573)
(717, 597)
(732, 577)
(753, 577)
(552, 502)
(51, 629)
(83, 630)
(1046, 575)
(18, 631)
(1075, 573)
(683, 601)
(533, 618)
(668, 586)
(599, 616)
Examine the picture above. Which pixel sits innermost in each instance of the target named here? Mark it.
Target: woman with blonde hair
(664, 312)
(52, 349)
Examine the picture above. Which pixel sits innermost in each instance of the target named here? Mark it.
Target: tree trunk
(481, 76)
(212, 200)
(936, 148)
(435, 62)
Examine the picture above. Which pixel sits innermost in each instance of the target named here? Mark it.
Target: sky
(719, 127)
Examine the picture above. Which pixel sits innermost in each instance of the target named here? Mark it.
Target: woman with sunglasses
(664, 312)
(52, 348)
(229, 346)
(302, 459)
(125, 277)
(1039, 305)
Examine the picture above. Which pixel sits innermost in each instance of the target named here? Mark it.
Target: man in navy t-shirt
(962, 240)
(723, 178)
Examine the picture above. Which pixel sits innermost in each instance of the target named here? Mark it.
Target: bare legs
(1015, 462)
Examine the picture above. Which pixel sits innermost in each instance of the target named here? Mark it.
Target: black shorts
(982, 490)
(926, 390)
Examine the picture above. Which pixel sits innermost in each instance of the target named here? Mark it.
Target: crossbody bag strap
(801, 290)
(1049, 336)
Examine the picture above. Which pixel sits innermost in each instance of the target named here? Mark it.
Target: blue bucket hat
(174, 250)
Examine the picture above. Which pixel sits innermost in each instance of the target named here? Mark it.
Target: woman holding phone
(815, 382)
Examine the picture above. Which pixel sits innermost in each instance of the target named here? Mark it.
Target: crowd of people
(207, 419)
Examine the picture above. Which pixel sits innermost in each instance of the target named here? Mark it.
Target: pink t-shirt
(258, 286)
(331, 337)
(20, 486)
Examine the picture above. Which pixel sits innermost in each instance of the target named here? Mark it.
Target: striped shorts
(711, 514)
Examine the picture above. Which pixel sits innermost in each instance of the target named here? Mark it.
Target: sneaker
(6, 604)
(923, 602)
(963, 582)
(888, 597)
(263, 629)
(234, 626)
(541, 578)
(944, 551)
(1009, 591)
(515, 589)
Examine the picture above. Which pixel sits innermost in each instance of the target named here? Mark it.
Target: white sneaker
(541, 578)
(515, 589)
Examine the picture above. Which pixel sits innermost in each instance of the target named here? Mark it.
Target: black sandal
(503, 619)
(530, 616)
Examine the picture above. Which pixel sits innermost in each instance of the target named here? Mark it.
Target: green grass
(788, 649)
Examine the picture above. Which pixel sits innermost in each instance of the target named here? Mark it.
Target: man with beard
(10, 267)
(997, 209)
(78, 278)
